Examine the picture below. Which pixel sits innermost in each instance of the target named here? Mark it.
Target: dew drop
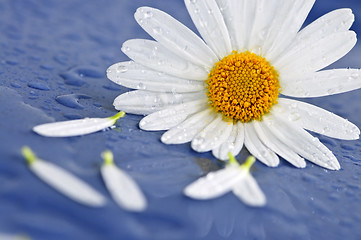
(331, 91)
(355, 75)
(141, 86)
(294, 116)
(121, 69)
(157, 30)
(148, 14)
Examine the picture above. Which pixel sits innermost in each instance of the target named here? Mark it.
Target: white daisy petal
(249, 192)
(336, 21)
(317, 55)
(323, 83)
(124, 190)
(132, 75)
(316, 119)
(232, 145)
(188, 129)
(76, 127)
(265, 11)
(258, 149)
(215, 184)
(63, 181)
(301, 142)
(145, 102)
(285, 26)
(208, 19)
(237, 15)
(175, 36)
(277, 146)
(213, 135)
(172, 116)
(153, 55)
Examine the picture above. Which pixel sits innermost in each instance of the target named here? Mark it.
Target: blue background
(53, 57)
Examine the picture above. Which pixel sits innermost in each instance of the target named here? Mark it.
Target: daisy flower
(230, 87)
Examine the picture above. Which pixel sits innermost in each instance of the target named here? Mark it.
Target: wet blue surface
(53, 57)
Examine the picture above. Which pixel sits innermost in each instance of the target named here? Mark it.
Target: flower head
(226, 90)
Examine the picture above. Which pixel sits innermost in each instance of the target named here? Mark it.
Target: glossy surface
(53, 58)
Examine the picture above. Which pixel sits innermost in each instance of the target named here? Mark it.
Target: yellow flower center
(243, 86)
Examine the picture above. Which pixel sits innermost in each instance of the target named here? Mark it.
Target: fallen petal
(63, 181)
(76, 127)
(124, 190)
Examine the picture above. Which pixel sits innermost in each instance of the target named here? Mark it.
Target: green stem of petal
(108, 157)
(117, 116)
(248, 164)
(232, 159)
(28, 154)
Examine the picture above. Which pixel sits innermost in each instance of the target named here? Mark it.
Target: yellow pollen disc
(243, 86)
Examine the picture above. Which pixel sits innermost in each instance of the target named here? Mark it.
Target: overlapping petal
(272, 142)
(288, 21)
(336, 21)
(175, 36)
(213, 135)
(233, 144)
(301, 142)
(316, 56)
(323, 83)
(153, 55)
(258, 149)
(145, 102)
(132, 75)
(208, 19)
(187, 130)
(172, 116)
(316, 119)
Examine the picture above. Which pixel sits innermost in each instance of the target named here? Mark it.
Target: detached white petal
(215, 184)
(234, 178)
(121, 186)
(76, 127)
(249, 192)
(63, 181)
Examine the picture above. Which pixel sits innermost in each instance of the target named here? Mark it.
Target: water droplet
(39, 86)
(125, 49)
(157, 30)
(355, 75)
(196, 11)
(148, 14)
(331, 91)
(15, 85)
(193, 1)
(121, 69)
(294, 116)
(141, 86)
(71, 100)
